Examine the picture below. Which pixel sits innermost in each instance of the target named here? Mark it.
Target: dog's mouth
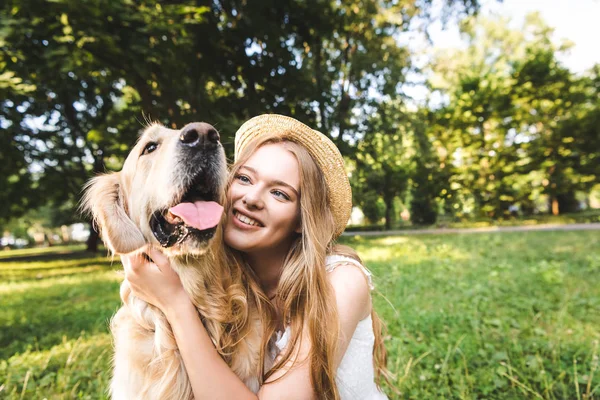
(197, 214)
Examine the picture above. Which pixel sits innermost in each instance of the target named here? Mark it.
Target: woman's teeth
(246, 220)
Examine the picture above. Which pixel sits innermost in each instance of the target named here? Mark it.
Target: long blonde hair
(304, 295)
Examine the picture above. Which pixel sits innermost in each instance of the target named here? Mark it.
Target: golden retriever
(169, 194)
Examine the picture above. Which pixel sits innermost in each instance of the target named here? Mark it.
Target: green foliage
(514, 127)
(425, 180)
(79, 78)
(17, 189)
(514, 120)
(383, 160)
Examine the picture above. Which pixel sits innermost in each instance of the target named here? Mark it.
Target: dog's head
(169, 192)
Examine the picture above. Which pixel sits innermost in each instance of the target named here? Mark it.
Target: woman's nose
(252, 199)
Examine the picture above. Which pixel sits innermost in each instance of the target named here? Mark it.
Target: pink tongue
(200, 214)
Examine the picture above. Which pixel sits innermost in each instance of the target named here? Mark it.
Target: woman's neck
(267, 266)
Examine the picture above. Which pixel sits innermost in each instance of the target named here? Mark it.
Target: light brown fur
(147, 363)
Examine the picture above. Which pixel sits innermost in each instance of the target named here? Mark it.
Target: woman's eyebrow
(282, 183)
(275, 182)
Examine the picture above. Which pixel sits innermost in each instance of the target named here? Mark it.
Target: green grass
(54, 340)
(501, 316)
(471, 316)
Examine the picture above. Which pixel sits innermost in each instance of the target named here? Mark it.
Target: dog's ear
(104, 201)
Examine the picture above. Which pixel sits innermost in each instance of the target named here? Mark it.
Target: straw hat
(321, 148)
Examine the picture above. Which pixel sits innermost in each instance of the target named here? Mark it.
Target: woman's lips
(241, 224)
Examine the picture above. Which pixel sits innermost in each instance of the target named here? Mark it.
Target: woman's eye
(279, 193)
(149, 148)
(243, 178)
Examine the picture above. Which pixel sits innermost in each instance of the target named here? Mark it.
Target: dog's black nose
(199, 134)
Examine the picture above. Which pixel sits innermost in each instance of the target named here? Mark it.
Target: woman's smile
(265, 197)
(245, 221)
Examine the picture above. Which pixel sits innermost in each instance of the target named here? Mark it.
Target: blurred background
(450, 114)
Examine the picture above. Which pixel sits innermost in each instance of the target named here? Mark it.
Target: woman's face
(265, 196)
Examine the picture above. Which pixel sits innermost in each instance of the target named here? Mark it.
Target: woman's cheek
(231, 193)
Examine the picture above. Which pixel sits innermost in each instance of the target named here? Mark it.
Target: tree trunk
(527, 207)
(389, 212)
(92, 242)
(567, 203)
(48, 239)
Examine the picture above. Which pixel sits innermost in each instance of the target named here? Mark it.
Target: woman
(288, 200)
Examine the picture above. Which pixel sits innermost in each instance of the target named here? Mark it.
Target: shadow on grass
(14, 274)
(47, 257)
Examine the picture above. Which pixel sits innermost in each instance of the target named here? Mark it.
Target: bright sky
(575, 20)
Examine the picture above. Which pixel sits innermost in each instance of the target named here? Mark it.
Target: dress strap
(334, 260)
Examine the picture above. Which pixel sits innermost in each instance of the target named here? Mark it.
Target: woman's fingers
(134, 263)
(161, 261)
(152, 279)
(157, 256)
(148, 261)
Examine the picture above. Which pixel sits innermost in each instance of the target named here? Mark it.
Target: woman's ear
(103, 199)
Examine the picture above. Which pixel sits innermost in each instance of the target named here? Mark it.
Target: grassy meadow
(470, 316)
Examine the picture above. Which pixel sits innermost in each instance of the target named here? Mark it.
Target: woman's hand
(154, 281)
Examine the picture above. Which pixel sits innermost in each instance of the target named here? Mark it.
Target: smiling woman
(288, 200)
(265, 207)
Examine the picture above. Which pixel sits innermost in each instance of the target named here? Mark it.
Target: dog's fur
(147, 364)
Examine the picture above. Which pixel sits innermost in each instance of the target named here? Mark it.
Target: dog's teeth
(173, 219)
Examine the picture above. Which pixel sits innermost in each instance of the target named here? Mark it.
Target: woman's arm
(157, 284)
(353, 302)
(210, 376)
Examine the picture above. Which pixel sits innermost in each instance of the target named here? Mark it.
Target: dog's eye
(150, 147)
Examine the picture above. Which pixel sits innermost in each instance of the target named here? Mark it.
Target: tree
(426, 177)
(506, 99)
(353, 57)
(17, 188)
(79, 77)
(566, 136)
(383, 157)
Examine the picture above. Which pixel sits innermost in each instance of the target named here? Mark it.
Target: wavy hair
(304, 296)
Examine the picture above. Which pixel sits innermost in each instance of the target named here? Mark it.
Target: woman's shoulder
(351, 285)
(334, 261)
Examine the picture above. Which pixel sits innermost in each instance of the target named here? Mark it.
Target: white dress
(355, 375)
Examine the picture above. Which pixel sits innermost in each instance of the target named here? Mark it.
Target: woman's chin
(237, 240)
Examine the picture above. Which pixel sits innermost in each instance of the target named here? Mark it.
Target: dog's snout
(189, 136)
(199, 134)
(213, 135)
